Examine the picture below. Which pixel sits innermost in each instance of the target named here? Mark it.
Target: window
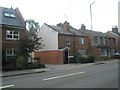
(9, 15)
(81, 41)
(12, 15)
(12, 35)
(82, 52)
(103, 52)
(68, 41)
(104, 42)
(98, 40)
(107, 40)
(11, 53)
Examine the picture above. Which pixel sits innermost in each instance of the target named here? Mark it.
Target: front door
(66, 53)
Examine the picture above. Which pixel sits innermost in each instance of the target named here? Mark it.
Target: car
(117, 55)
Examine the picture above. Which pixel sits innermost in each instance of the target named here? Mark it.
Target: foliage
(86, 58)
(62, 24)
(34, 65)
(20, 62)
(32, 26)
(31, 43)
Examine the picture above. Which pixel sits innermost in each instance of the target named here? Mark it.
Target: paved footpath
(39, 70)
(23, 72)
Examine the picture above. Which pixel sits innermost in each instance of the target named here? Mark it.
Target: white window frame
(81, 40)
(12, 35)
(12, 54)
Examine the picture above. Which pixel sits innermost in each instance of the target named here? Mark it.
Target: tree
(32, 26)
(31, 42)
(62, 24)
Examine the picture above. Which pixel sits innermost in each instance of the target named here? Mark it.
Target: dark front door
(66, 57)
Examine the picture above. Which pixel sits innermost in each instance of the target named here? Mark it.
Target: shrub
(34, 65)
(86, 58)
(21, 62)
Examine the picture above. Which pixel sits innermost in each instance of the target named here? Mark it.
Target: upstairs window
(12, 35)
(68, 42)
(9, 15)
(104, 41)
(98, 40)
(12, 15)
(81, 41)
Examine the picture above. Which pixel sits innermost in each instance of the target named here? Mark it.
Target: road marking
(62, 76)
(6, 86)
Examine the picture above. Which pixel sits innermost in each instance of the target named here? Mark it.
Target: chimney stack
(66, 25)
(83, 27)
(115, 29)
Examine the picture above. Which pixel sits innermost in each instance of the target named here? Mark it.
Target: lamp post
(91, 13)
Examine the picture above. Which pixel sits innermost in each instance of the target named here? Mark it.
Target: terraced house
(100, 44)
(61, 44)
(13, 29)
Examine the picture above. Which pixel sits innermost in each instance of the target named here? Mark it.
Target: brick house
(100, 44)
(61, 43)
(13, 29)
(115, 34)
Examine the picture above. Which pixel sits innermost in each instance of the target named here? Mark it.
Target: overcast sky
(76, 12)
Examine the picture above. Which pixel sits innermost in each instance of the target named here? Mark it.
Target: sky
(76, 12)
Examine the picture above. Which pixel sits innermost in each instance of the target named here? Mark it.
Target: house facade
(100, 44)
(13, 29)
(115, 34)
(61, 44)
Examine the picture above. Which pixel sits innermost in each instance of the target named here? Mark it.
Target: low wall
(50, 57)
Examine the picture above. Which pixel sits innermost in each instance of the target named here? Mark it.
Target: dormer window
(9, 15)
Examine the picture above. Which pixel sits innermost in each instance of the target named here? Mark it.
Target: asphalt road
(69, 76)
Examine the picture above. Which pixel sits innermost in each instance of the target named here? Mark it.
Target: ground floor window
(11, 53)
(82, 52)
(103, 52)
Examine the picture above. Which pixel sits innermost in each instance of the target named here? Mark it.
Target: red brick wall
(12, 43)
(117, 40)
(50, 57)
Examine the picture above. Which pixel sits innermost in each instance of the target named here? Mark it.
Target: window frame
(13, 35)
(81, 41)
(82, 52)
(14, 52)
(68, 41)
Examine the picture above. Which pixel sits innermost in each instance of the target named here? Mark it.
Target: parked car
(117, 55)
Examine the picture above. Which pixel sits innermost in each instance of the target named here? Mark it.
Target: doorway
(66, 54)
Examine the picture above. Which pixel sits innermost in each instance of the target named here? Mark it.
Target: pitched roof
(77, 32)
(97, 34)
(60, 30)
(11, 17)
(66, 32)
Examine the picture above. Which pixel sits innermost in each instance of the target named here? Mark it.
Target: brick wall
(50, 57)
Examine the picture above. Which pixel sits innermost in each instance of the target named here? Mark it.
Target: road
(69, 76)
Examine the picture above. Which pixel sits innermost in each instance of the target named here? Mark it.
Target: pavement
(38, 70)
(23, 72)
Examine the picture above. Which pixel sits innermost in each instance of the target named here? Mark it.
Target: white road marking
(6, 86)
(62, 76)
